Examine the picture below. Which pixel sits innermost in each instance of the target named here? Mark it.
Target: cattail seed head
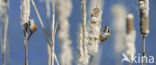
(94, 31)
(130, 37)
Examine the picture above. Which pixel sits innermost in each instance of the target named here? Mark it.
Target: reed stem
(26, 50)
(144, 51)
(53, 33)
(5, 33)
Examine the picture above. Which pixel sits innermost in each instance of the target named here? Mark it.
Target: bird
(105, 34)
(32, 27)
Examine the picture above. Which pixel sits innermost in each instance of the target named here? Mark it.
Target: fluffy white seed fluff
(144, 6)
(93, 48)
(82, 48)
(94, 31)
(130, 37)
(130, 44)
(25, 8)
(64, 8)
(119, 13)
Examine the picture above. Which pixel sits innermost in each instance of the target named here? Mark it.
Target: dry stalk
(144, 23)
(130, 38)
(5, 24)
(53, 33)
(26, 49)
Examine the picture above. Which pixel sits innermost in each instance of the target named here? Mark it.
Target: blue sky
(37, 51)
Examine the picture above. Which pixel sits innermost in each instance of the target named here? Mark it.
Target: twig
(41, 22)
(26, 49)
(56, 60)
(5, 33)
(53, 32)
(144, 51)
(48, 29)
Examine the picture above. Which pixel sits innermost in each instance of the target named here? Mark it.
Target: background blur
(37, 46)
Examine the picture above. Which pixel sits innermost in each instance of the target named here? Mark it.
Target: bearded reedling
(32, 27)
(105, 34)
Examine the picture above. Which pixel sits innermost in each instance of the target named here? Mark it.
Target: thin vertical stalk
(48, 29)
(26, 50)
(53, 33)
(5, 33)
(144, 51)
(84, 28)
(25, 13)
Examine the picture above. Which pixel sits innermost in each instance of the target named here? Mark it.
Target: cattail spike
(144, 17)
(130, 38)
(94, 31)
